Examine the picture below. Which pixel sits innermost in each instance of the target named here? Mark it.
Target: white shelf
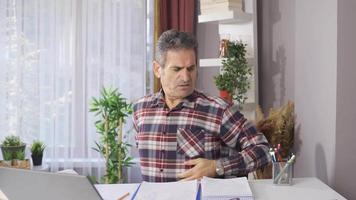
(232, 16)
(216, 62)
(210, 62)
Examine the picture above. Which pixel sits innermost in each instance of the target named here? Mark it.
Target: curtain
(174, 14)
(55, 55)
(178, 14)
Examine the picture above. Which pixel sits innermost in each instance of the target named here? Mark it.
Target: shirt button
(161, 170)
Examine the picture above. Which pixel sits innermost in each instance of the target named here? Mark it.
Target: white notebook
(225, 189)
(186, 190)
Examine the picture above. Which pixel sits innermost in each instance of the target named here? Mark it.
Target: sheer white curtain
(56, 55)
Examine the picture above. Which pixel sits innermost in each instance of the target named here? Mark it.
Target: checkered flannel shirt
(198, 127)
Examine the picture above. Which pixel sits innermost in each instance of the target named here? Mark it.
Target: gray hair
(173, 40)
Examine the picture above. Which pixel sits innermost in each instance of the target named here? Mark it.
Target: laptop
(19, 184)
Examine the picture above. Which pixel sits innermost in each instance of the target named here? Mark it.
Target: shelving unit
(238, 25)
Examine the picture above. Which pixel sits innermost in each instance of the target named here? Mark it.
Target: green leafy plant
(13, 148)
(235, 72)
(112, 109)
(12, 141)
(37, 147)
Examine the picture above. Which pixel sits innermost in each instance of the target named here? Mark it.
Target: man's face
(178, 76)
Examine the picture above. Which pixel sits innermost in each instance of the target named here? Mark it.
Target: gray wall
(208, 39)
(306, 51)
(346, 98)
(276, 45)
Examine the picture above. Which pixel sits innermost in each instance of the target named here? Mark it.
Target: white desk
(302, 188)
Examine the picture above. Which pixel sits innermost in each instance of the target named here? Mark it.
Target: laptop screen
(18, 184)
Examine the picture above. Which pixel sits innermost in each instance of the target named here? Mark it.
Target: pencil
(123, 196)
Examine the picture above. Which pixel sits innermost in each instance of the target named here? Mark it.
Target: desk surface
(302, 188)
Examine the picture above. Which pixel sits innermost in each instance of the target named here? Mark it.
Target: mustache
(184, 83)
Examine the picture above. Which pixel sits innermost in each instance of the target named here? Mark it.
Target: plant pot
(226, 96)
(9, 153)
(36, 159)
(5, 163)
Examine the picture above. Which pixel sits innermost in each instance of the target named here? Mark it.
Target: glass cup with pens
(282, 169)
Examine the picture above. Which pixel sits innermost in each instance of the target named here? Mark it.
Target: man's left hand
(202, 167)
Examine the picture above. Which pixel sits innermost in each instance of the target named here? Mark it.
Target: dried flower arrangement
(278, 128)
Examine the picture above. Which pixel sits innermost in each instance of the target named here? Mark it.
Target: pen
(289, 162)
(123, 196)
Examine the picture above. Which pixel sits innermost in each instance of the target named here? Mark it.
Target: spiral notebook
(225, 189)
(186, 190)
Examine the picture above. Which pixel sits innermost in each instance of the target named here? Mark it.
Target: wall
(315, 87)
(306, 54)
(346, 98)
(208, 39)
(276, 45)
(298, 39)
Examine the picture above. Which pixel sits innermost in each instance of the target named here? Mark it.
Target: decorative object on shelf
(37, 149)
(112, 109)
(13, 148)
(235, 72)
(223, 48)
(278, 128)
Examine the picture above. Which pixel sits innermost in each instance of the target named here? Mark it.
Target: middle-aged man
(183, 134)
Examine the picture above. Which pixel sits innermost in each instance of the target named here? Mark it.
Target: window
(55, 56)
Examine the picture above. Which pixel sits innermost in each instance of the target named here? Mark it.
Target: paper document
(115, 191)
(225, 189)
(186, 190)
(2, 196)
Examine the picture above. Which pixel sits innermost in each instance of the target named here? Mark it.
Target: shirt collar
(188, 102)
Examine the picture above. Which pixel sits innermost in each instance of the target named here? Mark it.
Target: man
(183, 134)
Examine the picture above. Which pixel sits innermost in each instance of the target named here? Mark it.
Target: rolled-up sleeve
(240, 134)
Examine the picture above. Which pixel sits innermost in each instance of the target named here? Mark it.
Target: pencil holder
(282, 173)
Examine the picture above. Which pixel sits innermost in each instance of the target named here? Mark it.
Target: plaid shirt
(198, 127)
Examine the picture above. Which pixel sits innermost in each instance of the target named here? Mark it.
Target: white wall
(315, 87)
(318, 49)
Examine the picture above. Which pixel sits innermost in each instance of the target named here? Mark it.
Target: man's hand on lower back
(201, 167)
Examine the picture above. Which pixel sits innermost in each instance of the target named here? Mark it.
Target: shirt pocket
(190, 143)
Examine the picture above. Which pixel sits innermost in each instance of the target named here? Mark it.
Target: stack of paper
(116, 191)
(225, 189)
(208, 6)
(186, 190)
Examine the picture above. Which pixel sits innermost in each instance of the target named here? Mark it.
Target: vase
(226, 96)
(36, 159)
(13, 152)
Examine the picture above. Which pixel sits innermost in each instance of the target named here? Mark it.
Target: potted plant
(13, 148)
(37, 149)
(233, 80)
(112, 109)
(278, 128)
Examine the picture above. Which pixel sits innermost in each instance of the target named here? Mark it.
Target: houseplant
(112, 109)
(37, 149)
(235, 72)
(13, 148)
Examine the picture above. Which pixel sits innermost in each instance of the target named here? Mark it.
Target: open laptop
(19, 184)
